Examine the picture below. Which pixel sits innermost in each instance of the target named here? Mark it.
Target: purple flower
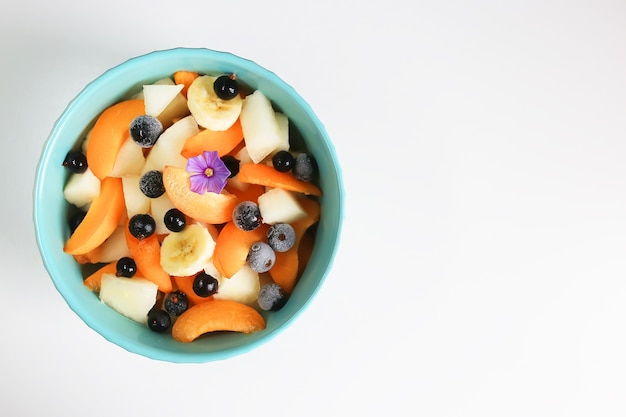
(208, 173)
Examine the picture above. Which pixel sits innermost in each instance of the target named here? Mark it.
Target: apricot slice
(210, 140)
(232, 247)
(209, 207)
(216, 315)
(101, 219)
(185, 78)
(93, 281)
(287, 268)
(185, 284)
(266, 175)
(108, 135)
(147, 255)
(245, 192)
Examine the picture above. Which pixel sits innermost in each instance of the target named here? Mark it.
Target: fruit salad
(190, 209)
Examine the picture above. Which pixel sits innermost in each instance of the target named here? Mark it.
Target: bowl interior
(50, 209)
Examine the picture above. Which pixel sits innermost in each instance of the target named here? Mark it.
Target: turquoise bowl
(50, 210)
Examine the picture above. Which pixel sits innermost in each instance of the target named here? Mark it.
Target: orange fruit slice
(93, 281)
(108, 135)
(232, 247)
(147, 256)
(209, 207)
(266, 175)
(210, 140)
(216, 315)
(101, 219)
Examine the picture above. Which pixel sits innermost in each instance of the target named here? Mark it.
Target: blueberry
(174, 220)
(146, 130)
(159, 320)
(281, 237)
(75, 161)
(141, 226)
(304, 167)
(176, 303)
(247, 215)
(261, 257)
(75, 220)
(205, 285)
(283, 161)
(126, 267)
(151, 184)
(226, 87)
(271, 297)
(232, 164)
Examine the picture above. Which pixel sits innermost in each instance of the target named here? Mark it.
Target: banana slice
(210, 111)
(186, 252)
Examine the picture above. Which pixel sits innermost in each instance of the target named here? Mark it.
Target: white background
(482, 267)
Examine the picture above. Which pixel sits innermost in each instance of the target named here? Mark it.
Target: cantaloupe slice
(266, 175)
(222, 142)
(216, 315)
(108, 135)
(232, 247)
(147, 255)
(286, 269)
(93, 281)
(209, 207)
(101, 219)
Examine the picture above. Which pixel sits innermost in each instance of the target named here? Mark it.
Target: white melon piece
(81, 189)
(157, 97)
(283, 126)
(115, 247)
(166, 151)
(131, 297)
(243, 286)
(243, 156)
(261, 131)
(136, 201)
(158, 207)
(176, 110)
(212, 270)
(129, 160)
(280, 206)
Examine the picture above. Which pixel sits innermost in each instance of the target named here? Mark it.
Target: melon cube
(280, 206)
(131, 297)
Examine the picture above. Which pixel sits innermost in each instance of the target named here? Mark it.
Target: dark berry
(75, 220)
(281, 237)
(126, 267)
(146, 130)
(232, 164)
(159, 320)
(141, 226)
(283, 161)
(205, 285)
(151, 184)
(175, 220)
(176, 303)
(75, 161)
(304, 167)
(271, 297)
(226, 87)
(261, 257)
(247, 215)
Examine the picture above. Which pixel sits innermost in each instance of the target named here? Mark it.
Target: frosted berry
(247, 215)
(151, 184)
(281, 237)
(261, 257)
(271, 297)
(146, 130)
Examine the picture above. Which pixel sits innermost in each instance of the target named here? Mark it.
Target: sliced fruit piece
(285, 269)
(280, 206)
(244, 191)
(260, 129)
(136, 201)
(209, 207)
(188, 251)
(210, 111)
(93, 281)
(112, 249)
(266, 175)
(130, 159)
(103, 216)
(216, 315)
(108, 135)
(81, 189)
(131, 297)
(221, 141)
(232, 247)
(185, 78)
(166, 151)
(185, 284)
(242, 287)
(147, 256)
(283, 127)
(158, 96)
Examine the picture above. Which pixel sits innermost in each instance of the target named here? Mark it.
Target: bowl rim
(48, 259)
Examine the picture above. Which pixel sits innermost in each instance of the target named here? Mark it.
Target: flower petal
(198, 183)
(196, 165)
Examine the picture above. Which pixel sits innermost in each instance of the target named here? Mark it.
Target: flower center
(208, 172)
